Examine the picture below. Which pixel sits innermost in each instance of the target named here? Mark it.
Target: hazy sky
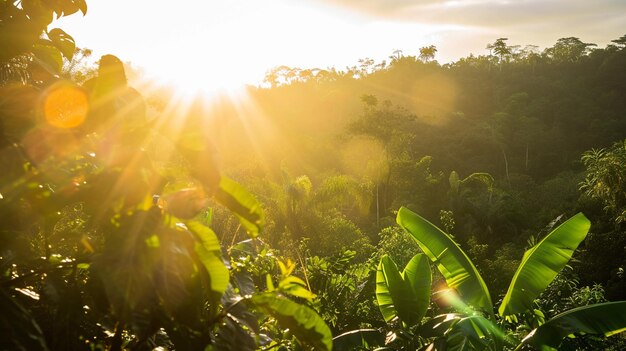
(225, 43)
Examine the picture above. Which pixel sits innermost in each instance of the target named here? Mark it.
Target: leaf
(296, 287)
(245, 206)
(480, 178)
(49, 57)
(451, 261)
(395, 296)
(62, 41)
(417, 274)
(233, 335)
(383, 294)
(606, 319)
(19, 329)
(303, 322)
(439, 325)
(82, 6)
(473, 333)
(67, 7)
(359, 339)
(541, 263)
(209, 252)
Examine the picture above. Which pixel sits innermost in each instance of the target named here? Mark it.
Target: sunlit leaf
(395, 296)
(303, 322)
(296, 287)
(542, 263)
(209, 252)
(451, 261)
(245, 206)
(417, 274)
(439, 325)
(474, 333)
(383, 293)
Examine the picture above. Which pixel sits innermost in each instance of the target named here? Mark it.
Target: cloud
(499, 14)
(459, 27)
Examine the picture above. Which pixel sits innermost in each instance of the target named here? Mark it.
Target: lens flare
(65, 106)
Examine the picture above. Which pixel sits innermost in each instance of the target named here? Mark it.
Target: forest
(395, 205)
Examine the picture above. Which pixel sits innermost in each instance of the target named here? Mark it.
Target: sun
(198, 77)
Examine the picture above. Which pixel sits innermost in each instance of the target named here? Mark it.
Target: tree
(605, 178)
(569, 49)
(427, 53)
(501, 50)
(397, 55)
(621, 42)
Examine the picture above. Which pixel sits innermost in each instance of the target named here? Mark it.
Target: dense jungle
(403, 204)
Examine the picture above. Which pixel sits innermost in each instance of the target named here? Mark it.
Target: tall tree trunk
(506, 163)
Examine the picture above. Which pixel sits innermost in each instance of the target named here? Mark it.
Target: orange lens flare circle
(65, 106)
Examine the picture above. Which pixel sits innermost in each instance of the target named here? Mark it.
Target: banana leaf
(359, 339)
(605, 319)
(396, 298)
(451, 261)
(474, 333)
(417, 274)
(542, 263)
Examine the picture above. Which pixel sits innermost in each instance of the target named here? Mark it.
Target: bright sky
(223, 44)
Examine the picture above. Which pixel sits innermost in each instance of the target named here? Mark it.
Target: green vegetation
(120, 229)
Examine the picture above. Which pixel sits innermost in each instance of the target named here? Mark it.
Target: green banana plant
(540, 265)
(404, 295)
(458, 270)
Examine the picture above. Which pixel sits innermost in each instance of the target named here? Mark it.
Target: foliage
(101, 250)
(21, 37)
(605, 178)
(474, 331)
(452, 262)
(592, 319)
(404, 295)
(344, 291)
(107, 240)
(542, 263)
(396, 244)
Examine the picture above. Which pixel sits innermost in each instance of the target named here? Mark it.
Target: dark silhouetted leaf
(62, 41)
(360, 338)
(49, 57)
(18, 330)
(604, 319)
